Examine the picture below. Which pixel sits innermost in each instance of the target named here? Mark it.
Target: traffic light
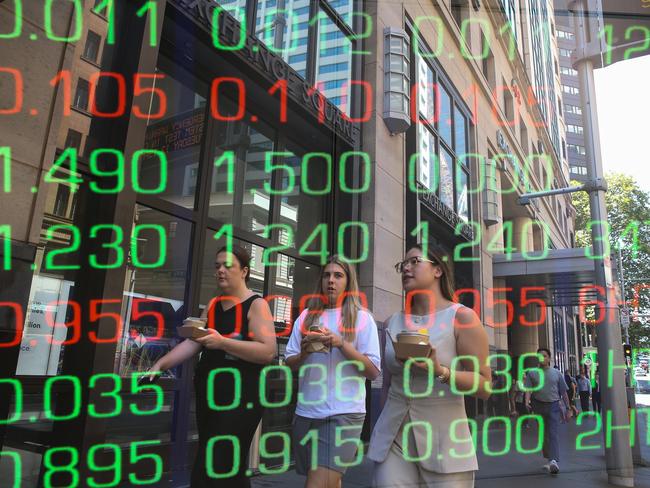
(627, 351)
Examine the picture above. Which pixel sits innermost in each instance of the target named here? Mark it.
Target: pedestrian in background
(545, 401)
(571, 393)
(595, 394)
(332, 394)
(584, 390)
(407, 422)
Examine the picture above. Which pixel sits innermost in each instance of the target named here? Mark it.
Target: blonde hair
(351, 301)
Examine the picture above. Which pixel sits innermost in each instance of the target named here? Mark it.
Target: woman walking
(334, 343)
(243, 338)
(412, 442)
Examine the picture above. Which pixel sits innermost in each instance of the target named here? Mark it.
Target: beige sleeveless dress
(441, 410)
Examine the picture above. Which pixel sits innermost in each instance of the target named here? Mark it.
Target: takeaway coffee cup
(315, 345)
(411, 344)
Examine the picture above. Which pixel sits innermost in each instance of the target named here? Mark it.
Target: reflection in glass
(445, 120)
(285, 30)
(333, 63)
(446, 178)
(236, 8)
(299, 210)
(153, 295)
(294, 278)
(460, 125)
(461, 193)
(41, 351)
(129, 427)
(248, 206)
(427, 160)
(179, 135)
(344, 8)
(425, 91)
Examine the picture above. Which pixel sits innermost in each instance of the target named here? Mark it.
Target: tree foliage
(628, 212)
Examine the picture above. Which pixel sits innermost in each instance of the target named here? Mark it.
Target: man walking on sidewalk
(584, 390)
(546, 403)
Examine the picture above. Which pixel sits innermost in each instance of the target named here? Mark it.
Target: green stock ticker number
(110, 387)
(102, 163)
(108, 170)
(287, 378)
(103, 8)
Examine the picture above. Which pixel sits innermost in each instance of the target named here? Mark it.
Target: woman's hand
(155, 370)
(212, 340)
(332, 339)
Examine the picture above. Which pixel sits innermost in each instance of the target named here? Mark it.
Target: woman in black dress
(241, 337)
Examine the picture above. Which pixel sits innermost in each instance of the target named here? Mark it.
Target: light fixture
(397, 80)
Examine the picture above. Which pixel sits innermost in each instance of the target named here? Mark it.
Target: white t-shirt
(325, 388)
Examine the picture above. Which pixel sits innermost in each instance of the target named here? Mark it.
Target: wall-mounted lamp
(397, 80)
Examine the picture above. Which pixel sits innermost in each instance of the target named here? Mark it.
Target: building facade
(150, 137)
(572, 103)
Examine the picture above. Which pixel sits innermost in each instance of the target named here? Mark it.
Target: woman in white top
(411, 443)
(332, 395)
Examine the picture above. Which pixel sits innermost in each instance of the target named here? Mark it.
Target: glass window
(61, 200)
(128, 427)
(91, 49)
(446, 178)
(52, 285)
(462, 204)
(179, 135)
(81, 95)
(153, 303)
(460, 126)
(344, 8)
(427, 160)
(426, 98)
(336, 67)
(248, 206)
(236, 8)
(73, 139)
(291, 42)
(301, 210)
(445, 121)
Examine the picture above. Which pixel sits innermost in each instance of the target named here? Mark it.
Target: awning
(565, 275)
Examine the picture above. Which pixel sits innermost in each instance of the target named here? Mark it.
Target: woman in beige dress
(412, 443)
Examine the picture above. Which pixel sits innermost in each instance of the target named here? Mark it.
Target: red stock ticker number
(95, 313)
(141, 309)
(149, 95)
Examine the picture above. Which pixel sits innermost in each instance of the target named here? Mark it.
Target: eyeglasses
(411, 262)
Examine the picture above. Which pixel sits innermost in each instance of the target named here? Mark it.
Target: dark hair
(242, 256)
(540, 349)
(436, 254)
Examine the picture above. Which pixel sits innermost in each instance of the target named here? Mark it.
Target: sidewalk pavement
(578, 468)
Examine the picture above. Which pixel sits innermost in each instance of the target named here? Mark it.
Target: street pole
(618, 457)
(621, 279)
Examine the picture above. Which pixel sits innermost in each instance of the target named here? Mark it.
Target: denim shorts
(329, 455)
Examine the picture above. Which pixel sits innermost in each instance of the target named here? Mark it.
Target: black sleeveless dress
(241, 420)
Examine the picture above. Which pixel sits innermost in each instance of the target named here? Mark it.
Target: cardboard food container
(411, 344)
(192, 328)
(315, 345)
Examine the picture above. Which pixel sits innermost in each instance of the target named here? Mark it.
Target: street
(579, 468)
